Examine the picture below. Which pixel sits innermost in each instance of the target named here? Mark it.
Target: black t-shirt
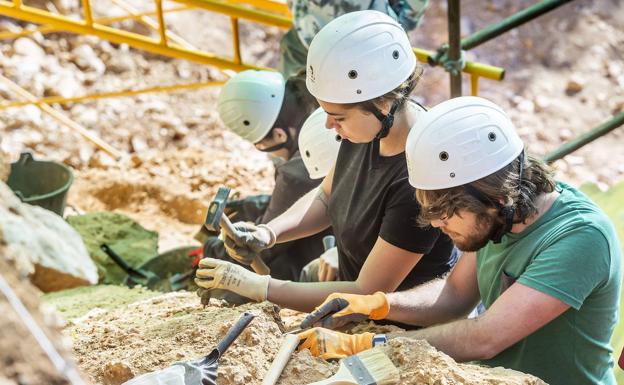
(368, 202)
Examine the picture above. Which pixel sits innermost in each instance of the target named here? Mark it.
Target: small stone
(574, 86)
(86, 59)
(26, 47)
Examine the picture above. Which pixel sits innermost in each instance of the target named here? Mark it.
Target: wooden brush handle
(281, 359)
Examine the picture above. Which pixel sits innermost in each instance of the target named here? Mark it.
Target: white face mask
(277, 161)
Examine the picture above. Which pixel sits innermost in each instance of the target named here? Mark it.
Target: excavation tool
(198, 372)
(281, 359)
(163, 272)
(370, 367)
(135, 276)
(216, 219)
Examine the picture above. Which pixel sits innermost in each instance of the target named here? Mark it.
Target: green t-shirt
(570, 253)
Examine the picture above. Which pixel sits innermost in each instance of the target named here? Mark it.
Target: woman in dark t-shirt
(361, 69)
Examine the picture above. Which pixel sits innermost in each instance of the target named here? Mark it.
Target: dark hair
(501, 186)
(398, 95)
(298, 104)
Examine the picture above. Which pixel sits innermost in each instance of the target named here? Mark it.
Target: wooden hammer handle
(281, 359)
(257, 264)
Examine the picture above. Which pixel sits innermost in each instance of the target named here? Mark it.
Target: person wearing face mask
(361, 69)
(540, 255)
(268, 111)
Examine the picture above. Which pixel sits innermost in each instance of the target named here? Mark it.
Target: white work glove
(217, 274)
(328, 265)
(253, 239)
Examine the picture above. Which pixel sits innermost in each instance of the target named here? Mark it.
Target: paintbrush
(370, 367)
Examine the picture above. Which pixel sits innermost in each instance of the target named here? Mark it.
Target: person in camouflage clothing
(309, 16)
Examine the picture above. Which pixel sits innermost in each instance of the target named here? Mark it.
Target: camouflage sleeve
(409, 12)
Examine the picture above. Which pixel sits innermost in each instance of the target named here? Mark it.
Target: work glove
(339, 309)
(329, 344)
(217, 274)
(328, 265)
(252, 239)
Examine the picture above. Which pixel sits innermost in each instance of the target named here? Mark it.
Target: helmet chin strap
(507, 213)
(386, 122)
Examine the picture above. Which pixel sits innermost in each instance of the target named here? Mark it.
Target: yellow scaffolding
(269, 12)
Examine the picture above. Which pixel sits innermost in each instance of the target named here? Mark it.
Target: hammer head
(215, 210)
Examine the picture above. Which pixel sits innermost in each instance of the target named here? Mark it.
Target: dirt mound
(22, 359)
(115, 345)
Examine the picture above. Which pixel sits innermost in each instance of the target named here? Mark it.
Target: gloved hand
(328, 265)
(339, 309)
(252, 239)
(329, 344)
(217, 274)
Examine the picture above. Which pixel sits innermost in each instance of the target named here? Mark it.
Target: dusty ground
(116, 343)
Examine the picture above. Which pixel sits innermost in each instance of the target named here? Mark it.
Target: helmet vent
(452, 175)
(444, 156)
(246, 122)
(353, 74)
(272, 95)
(492, 136)
(358, 91)
(307, 153)
(395, 54)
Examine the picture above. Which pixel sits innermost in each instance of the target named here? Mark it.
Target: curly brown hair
(502, 186)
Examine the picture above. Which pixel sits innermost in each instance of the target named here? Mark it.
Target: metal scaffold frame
(268, 12)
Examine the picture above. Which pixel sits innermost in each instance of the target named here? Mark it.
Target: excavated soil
(117, 344)
(22, 359)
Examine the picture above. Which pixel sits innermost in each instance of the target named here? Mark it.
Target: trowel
(197, 372)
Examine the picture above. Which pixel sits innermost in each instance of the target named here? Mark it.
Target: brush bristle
(379, 367)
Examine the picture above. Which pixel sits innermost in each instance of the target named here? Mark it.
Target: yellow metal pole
(473, 68)
(267, 5)
(104, 20)
(474, 85)
(63, 119)
(241, 12)
(150, 23)
(235, 40)
(113, 94)
(162, 27)
(35, 15)
(86, 6)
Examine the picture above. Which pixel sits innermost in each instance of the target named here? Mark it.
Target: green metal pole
(511, 22)
(588, 137)
(454, 52)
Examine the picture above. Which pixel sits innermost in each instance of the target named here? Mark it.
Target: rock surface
(43, 245)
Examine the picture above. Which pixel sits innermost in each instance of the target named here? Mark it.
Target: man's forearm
(431, 303)
(306, 217)
(464, 340)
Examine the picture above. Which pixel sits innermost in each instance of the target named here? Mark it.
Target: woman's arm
(385, 268)
(307, 216)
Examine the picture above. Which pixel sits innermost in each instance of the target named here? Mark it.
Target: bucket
(41, 183)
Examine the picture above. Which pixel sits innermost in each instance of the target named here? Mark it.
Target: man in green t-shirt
(541, 257)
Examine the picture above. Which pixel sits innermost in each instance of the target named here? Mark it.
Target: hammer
(215, 219)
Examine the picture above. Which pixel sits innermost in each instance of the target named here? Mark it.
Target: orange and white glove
(329, 344)
(339, 309)
(217, 274)
(328, 265)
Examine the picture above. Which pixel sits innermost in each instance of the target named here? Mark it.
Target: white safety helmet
(318, 145)
(250, 102)
(358, 56)
(458, 142)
